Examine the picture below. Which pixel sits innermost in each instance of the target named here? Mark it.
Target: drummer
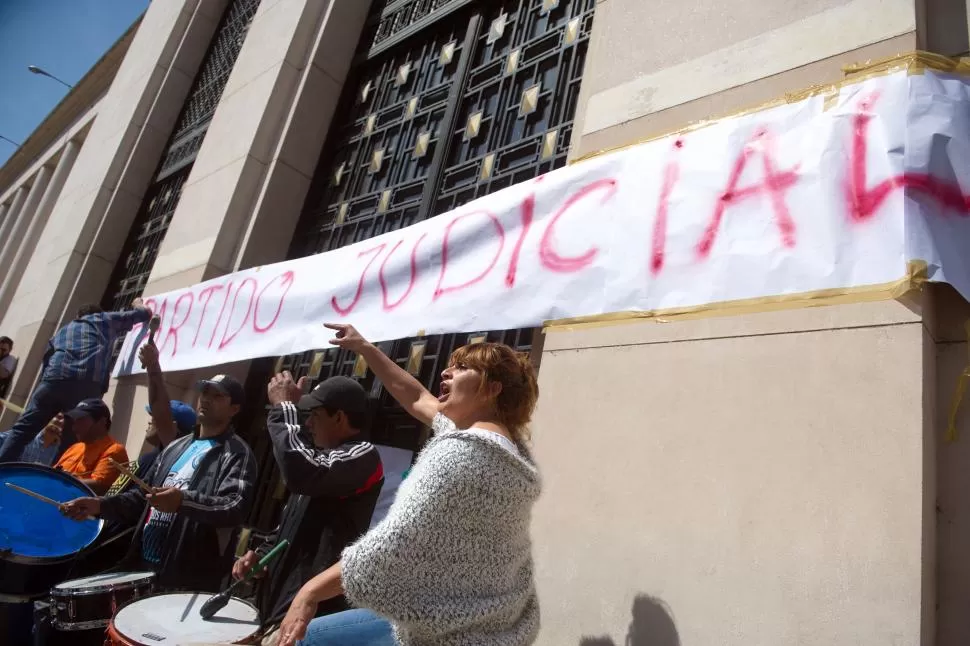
(334, 483)
(202, 489)
(89, 459)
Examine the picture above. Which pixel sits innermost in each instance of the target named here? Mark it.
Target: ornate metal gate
(448, 100)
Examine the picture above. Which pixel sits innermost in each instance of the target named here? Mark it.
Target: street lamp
(36, 70)
(10, 140)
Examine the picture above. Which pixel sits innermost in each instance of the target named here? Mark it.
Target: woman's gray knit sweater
(451, 563)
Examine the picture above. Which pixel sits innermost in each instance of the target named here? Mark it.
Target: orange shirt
(90, 460)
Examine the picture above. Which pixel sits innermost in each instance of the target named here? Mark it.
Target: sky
(64, 37)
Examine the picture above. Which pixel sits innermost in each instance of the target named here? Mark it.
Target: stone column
(4, 210)
(7, 225)
(24, 219)
(52, 189)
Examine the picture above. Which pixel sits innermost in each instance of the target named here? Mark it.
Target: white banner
(826, 193)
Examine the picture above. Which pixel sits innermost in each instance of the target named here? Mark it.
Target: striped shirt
(82, 349)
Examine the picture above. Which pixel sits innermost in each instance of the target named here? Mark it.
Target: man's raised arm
(158, 399)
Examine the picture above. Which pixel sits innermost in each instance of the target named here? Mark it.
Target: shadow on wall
(652, 625)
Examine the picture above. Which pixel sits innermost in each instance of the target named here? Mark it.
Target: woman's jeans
(350, 628)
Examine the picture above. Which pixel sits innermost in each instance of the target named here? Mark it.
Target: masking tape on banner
(11, 406)
(916, 276)
(951, 427)
(914, 63)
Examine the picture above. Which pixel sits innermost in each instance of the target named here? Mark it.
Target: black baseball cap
(94, 408)
(336, 393)
(227, 386)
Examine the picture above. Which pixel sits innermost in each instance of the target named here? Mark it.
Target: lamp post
(37, 70)
(10, 140)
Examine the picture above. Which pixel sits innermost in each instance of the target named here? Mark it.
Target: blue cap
(183, 414)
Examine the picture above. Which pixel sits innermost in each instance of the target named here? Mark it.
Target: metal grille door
(447, 101)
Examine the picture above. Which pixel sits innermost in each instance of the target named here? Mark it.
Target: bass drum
(37, 542)
(174, 619)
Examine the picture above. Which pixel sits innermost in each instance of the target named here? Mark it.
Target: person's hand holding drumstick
(82, 508)
(165, 499)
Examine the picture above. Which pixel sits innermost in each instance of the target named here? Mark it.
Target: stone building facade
(774, 478)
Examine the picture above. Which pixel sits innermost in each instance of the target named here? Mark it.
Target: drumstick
(33, 494)
(126, 471)
(216, 603)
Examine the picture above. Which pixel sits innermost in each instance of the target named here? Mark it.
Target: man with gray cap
(334, 476)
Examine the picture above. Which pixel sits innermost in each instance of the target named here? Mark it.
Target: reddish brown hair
(499, 363)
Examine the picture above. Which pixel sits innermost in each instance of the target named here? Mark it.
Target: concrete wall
(655, 67)
(947, 324)
(945, 27)
(762, 476)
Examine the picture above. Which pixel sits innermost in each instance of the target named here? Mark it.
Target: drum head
(101, 581)
(33, 530)
(174, 619)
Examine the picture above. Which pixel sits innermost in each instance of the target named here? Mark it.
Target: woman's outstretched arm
(407, 390)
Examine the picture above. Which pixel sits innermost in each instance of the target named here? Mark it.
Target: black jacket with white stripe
(196, 555)
(333, 495)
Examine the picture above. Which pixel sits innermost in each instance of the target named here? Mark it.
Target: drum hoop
(69, 626)
(113, 627)
(99, 589)
(12, 557)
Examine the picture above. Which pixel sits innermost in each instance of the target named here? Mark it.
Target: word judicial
(818, 194)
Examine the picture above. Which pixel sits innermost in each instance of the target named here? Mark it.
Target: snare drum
(91, 602)
(173, 619)
(37, 542)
